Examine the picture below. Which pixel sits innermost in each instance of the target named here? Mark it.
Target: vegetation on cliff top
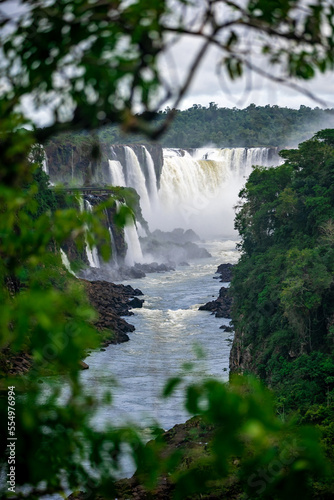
(263, 126)
(200, 126)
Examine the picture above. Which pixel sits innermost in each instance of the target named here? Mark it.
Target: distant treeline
(232, 127)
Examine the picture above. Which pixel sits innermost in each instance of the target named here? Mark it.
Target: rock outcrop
(241, 357)
(221, 307)
(225, 271)
(174, 247)
(111, 302)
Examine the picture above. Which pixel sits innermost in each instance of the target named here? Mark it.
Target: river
(170, 330)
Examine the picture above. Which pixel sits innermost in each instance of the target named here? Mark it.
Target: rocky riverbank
(221, 307)
(111, 302)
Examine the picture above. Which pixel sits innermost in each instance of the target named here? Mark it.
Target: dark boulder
(221, 307)
(112, 301)
(136, 303)
(228, 329)
(225, 271)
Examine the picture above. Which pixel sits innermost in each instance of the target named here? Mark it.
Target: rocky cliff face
(108, 220)
(241, 359)
(80, 161)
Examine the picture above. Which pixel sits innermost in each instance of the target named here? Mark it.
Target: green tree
(286, 268)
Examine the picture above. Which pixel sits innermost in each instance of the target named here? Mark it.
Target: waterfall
(198, 187)
(45, 167)
(135, 178)
(134, 253)
(66, 262)
(92, 254)
(152, 178)
(116, 173)
(114, 260)
(141, 230)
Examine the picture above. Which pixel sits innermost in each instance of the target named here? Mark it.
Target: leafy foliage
(270, 126)
(286, 272)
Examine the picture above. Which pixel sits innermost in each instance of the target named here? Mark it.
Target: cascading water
(152, 178)
(135, 178)
(45, 167)
(116, 173)
(195, 188)
(114, 260)
(92, 253)
(198, 188)
(134, 253)
(66, 262)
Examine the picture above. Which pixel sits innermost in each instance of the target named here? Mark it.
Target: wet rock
(221, 307)
(225, 271)
(136, 303)
(178, 235)
(15, 364)
(226, 328)
(83, 365)
(112, 301)
(174, 246)
(154, 267)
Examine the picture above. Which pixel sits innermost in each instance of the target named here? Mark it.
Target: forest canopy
(253, 126)
(283, 285)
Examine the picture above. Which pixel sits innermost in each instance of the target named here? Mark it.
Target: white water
(134, 254)
(116, 173)
(135, 178)
(152, 179)
(198, 188)
(91, 252)
(66, 262)
(167, 328)
(45, 167)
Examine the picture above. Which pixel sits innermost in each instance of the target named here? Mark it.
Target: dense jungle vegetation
(253, 126)
(283, 285)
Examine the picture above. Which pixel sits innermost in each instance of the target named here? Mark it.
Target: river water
(170, 331)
